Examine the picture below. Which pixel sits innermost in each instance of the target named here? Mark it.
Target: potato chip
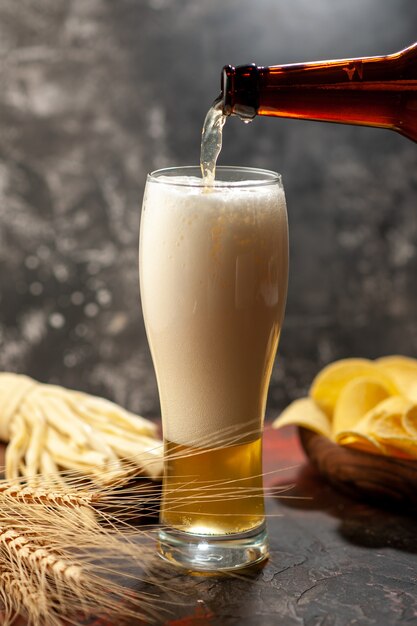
(410, 422)
(395, 405)
(369, 406)
(398, 442)
(329, 383)
(390, 428)
(386, 423)
(397, 360)
(305, 412)
(357, 398)
(362, 442)
(403, 372)
(370, 445)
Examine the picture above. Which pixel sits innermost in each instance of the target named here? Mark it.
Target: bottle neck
(240, 90)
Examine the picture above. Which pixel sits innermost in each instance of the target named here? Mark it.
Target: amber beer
(213, 272)
(214, 491)
(372, 91)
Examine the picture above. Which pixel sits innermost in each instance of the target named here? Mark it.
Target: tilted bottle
(372, 91)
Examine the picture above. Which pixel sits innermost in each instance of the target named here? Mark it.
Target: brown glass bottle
(373, 91)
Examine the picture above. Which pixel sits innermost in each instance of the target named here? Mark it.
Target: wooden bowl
(361, 474)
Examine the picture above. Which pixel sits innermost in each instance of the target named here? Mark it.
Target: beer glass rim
(226, 176)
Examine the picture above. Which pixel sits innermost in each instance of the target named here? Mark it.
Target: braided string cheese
(49, 428)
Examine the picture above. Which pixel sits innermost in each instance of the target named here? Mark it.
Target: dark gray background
(96, 93)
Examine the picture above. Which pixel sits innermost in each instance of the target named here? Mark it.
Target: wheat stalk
(31, 495)
(51, 561)
(18, 596)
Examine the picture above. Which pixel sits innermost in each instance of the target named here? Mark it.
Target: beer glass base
(211, 553)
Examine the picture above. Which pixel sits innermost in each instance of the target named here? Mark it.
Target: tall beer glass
(213, 276)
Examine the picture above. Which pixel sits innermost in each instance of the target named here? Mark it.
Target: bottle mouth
(227, 88)
(240, 90)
